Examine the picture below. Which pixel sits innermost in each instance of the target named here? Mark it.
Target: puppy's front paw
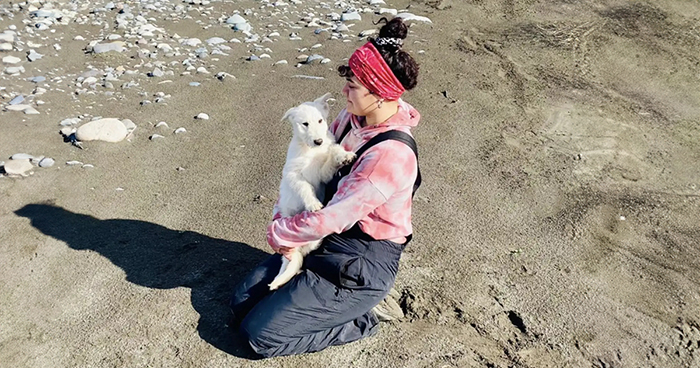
(345, 158)
(312, 207)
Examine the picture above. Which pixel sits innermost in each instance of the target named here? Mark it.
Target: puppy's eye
(320, 121)
(305, 124)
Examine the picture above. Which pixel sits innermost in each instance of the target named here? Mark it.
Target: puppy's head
(309, 121)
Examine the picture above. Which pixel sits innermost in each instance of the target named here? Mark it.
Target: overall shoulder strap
(395, 135)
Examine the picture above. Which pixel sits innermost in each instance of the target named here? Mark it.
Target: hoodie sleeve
(372, 181)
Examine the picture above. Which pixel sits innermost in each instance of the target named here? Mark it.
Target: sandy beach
(558, 224)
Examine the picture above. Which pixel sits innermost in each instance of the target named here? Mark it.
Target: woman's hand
(284, 251)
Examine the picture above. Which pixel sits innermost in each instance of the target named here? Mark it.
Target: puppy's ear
(288, 114)
(322, 103)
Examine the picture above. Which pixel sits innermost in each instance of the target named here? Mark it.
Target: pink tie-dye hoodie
(376, 193)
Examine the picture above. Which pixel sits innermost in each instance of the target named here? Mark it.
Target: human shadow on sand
(161, 258)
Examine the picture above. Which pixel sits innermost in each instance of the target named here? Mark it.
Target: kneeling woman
(365, 224)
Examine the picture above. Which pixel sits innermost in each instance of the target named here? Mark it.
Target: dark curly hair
(402, 64)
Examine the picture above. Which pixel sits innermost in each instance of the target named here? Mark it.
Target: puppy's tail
(288, 270)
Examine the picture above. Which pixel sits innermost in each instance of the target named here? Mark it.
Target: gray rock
(33, 55)
(236, 19)
(21, 156)
(311, 58)
(17, 100)
(156, 73)
(215, 40)
(46, 162)
(350, 16)
(11, 60)
(107, 47)
(38, 79)
(242, 27)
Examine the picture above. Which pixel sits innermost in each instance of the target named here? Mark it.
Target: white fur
(308, 168)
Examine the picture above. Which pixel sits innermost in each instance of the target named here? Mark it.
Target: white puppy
(313, 158)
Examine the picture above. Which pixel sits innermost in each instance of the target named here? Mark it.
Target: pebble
(236, 19)
(180, 130)
(30, 111)
(46, 162)
(11, 60)
(69, 122)
(100, 48)
(38, 79)
(7, 37)
(156, 73)
(202, 116)
(162, 124)
(18, 167)
(14, 69)
(155, 136)
(74, 163)
(5, 46)
(195, 84)
(22, 156)
(17, 100)
(215, 40)
(412, 17)
(311, 58)
(350, 16)
(107, 130)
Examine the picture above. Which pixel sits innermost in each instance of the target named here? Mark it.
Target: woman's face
(360, 101)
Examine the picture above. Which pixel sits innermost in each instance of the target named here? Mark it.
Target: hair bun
(394, 28)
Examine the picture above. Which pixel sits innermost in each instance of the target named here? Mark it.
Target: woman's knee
(260, 339)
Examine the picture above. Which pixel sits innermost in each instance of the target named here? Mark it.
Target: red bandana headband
(373, 72)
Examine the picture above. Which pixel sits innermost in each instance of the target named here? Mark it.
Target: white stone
(108, 130)
(18, 167)
(282, 62)
(7, 37)
(180, 130)
(5, 46)
(22, 156)
(14, 69)
(11, 60)
(155, 136)
(20, 107)
(410, 16)
(202, 116)
(388, 11)
(350, 16)
(192, 42)
(100, 48)
(46, 162)
(30, 111)
(215, 40)
(234, 19)
(69, 122)
(162, 124)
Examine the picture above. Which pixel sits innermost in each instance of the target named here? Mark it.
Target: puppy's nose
(318, 141)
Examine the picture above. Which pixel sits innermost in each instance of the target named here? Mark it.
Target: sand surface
(558, 224)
